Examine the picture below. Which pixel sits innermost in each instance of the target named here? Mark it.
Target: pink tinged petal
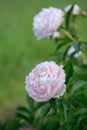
(47, 22)
(61, 91)
(45, 81)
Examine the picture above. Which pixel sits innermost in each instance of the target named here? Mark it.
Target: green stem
(65, 32)
(53, 103)
(74, 23)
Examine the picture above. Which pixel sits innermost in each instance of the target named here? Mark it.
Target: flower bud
(72, 50)
(56, 35)
(76, 9)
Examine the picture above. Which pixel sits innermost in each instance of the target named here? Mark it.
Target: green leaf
(23, 109)
(81, 75)
(54, 104)
(65, 109)
(81, 117)
(76, 46)
(70, 83)
(63, 42)
(54, 118)
(66, 50)
(83, 66)
(68, 70)
(81, 111)
(44, 112)
(85, 93)
(62, 127)
(68, 16)
(80, 101)
(59, 46)
(11, 124)
(39, 105)
(22, 116)
(30, 102)
(77, 85)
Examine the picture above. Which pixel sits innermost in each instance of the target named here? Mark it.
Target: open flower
(76, 9)
(47, 22)
(72, 50)
(46, 81)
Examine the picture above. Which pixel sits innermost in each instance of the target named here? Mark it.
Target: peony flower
(72, 50)
(46, 81)
(47, 22)
(76, 9)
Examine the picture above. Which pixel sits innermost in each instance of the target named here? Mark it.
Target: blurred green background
(19, 49)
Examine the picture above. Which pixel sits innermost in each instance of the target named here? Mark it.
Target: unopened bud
(84, 13)
(56, 35)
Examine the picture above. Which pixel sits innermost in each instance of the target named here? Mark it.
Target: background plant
(80, 75)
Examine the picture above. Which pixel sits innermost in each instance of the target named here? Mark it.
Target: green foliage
(78, 85)
(68, 16)
(69, 111)
(11, 124)
(68, 70)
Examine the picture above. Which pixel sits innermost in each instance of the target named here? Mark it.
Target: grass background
(19, 49)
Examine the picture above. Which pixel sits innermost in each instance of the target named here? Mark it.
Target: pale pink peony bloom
(47, 22)
(72, 50)
(46, 81)
(76, 9)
